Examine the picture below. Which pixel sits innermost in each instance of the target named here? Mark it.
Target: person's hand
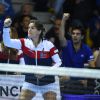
(66, 16)
(7, 22)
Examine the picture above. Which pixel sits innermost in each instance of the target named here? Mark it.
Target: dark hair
(39, 26)
(77, 24)
(30, 16)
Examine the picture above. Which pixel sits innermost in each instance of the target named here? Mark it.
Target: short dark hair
(77, 24)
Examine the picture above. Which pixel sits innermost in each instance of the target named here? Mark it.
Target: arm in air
(13, 43)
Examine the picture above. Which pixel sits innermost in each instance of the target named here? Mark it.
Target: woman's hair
(29, 16)
(39, 26)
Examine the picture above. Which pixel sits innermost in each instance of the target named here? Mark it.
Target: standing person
(75, 45)
(74, 52)
(53, 33)
(22, 29)
(36, 51)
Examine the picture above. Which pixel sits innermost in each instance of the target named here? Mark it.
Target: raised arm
(13, 43)
(62, 30)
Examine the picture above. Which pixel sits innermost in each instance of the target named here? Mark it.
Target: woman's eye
(33, 27)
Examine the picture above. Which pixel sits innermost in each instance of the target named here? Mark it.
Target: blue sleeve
(89, 54)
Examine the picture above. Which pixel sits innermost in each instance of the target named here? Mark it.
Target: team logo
(43, 55)
(82, 55)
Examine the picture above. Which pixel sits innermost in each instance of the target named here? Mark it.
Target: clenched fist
(66, 16)
(7, 22)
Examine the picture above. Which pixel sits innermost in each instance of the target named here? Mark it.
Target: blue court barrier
(80, 97)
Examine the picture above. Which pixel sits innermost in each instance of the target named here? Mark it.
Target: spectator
(36, 51)
(26, 9)
(76, 41)
(5, 11)
(53, 33)
(74, 52)
(22, 29)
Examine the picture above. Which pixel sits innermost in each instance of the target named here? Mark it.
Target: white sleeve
(55, 57)
(21, 61)
(57, 60)
(13, 43)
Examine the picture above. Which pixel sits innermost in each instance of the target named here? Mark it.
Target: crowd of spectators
(86, 12)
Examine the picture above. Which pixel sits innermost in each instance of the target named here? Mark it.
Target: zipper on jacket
(36, 64)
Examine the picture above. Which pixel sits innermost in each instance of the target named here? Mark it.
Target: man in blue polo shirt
(74, 52)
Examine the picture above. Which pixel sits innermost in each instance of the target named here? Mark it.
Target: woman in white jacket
(36, 51)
